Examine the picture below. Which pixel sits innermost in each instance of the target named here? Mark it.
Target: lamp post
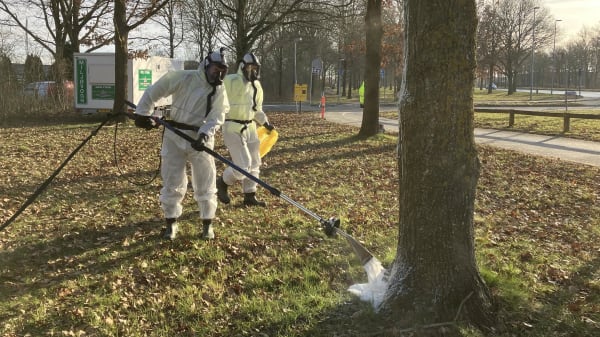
(554, 56)
(532, 51)
(295, 71)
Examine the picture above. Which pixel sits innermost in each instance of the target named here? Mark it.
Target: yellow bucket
(267, 139)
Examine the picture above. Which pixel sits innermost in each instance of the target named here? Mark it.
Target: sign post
(300, 94)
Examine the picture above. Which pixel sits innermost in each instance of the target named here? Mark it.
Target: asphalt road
(568, 149)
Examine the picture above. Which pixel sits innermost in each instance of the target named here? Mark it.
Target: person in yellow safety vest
(198, 110)
(245, 95)
(361, 94)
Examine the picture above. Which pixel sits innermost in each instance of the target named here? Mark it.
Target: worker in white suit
(245, 95)
(199, 106)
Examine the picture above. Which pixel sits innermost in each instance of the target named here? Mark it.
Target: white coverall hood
(189, 90)
(245, 97)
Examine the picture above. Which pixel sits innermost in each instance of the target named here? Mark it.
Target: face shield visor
(215, 67)
(250, 67)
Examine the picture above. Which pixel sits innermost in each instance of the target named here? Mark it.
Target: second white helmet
(250, 67)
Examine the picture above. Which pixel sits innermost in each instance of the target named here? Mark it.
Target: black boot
(172, 228)
(207, 230)
(222, 191)
(250, 200)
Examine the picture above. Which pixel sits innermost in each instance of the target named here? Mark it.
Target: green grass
(586, 129)
(482, 96)
(86, 260)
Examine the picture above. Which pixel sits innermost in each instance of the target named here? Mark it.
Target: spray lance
(330, 226)
(374, 289)
(377, 275)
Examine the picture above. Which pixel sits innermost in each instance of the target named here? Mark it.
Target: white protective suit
(190, 92)
(239, 129)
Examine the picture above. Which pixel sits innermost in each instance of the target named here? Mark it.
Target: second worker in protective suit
(199, 105)
(245, 95)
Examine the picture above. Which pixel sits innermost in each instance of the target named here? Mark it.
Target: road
(568, 149)
(583, 93)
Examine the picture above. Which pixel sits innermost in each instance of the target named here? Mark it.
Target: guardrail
(567, 116)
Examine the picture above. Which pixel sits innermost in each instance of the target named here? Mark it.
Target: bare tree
(487, 44)
(7, 45)
(434, 275)
(68, 23)
(519, 33)
(582, 51)
(392, 44)
(202, 21)
(373, 37)
(128, 15)
(170, 19)
(246, 21)
(352, 46)
(8, 78)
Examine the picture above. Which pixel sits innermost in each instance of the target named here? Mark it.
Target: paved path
(579, 151)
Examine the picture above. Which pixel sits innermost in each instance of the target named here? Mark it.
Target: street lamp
(532, 50)
(554, 56)
(295, 72)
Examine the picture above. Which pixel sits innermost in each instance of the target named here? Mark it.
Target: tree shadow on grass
(67, 257)
(561, 315)
(571, 310)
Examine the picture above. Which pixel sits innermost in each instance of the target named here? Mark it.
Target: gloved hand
(269, 127)
(200, 143)
(144, 122)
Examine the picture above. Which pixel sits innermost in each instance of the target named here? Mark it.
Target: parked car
(46, 89)
(41, 89)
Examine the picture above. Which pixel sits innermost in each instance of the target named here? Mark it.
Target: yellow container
(267, 139)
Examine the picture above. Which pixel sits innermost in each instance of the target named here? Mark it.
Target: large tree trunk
(121, 57)
(434, 274)
(374, 33)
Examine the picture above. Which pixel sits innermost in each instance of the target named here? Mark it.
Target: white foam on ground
(376, 285)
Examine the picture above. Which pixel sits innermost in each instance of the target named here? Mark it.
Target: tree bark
(374, 34)
(434, 274)
(121, 56)
(142, 11)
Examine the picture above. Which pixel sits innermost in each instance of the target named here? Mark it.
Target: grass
(520, 97)
(586, 129)
(85, 258)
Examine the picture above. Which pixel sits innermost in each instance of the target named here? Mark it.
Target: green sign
(81, 78)
(103, 92)
(144, 78)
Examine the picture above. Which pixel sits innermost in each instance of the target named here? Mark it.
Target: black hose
(45, 184)
(144, 183)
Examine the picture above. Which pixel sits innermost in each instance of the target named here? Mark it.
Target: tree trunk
(434, 275)
(121, 56)
(490, 77)
(374, 33)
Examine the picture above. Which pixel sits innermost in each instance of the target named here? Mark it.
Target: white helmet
(218, 59)
(250, 67)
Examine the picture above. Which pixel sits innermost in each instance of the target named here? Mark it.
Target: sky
(574, 15)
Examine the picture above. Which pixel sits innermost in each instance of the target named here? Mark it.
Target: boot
(172, 228)
(207, 230)
(250, 200)
(222, 191)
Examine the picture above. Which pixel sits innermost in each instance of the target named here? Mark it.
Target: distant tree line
(318, 42)
(517, 48)
(290, 37)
